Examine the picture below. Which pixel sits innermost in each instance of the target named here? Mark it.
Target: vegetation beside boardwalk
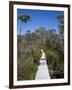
(29, 51)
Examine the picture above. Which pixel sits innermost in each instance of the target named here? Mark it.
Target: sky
(39, 18)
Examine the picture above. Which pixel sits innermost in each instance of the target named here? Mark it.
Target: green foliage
(29, 51)
(36, 56)
(61, 24)
(26, 70)
(28, 63)
(24, 17)
(55, 63)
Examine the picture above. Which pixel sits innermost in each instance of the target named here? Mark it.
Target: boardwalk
(42, 72)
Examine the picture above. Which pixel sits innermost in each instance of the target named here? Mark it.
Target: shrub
(26, 70)
(55, 64)
(36, 56)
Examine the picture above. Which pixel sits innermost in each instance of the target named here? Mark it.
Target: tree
(60, 40)
(61, 24)
(24, 18)
(51, 38)
(28, 37)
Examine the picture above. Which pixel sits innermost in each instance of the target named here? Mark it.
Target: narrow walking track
(42, 72)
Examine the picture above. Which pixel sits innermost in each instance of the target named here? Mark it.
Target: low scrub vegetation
(29, 48)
